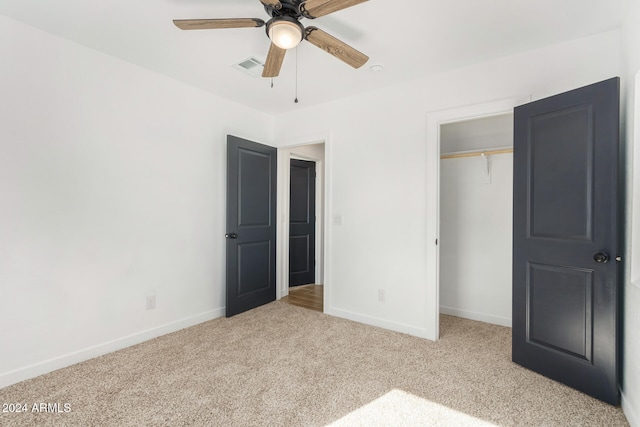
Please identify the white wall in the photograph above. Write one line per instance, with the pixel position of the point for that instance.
(112, 184)
(476, 237)
(379, 177)
(308, 152)
(631, 83)
(477, 134)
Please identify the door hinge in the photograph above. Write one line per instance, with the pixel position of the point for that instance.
(436, 242)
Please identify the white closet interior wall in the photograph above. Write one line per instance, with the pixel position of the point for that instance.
(476, 220)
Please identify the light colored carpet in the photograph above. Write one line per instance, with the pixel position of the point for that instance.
(281, 365)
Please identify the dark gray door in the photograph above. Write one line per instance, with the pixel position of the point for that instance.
(251, 225)
(302, 225)
(565, 238)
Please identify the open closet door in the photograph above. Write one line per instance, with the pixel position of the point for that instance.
(565, 238)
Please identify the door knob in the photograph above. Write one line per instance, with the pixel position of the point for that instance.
(601, 257)
(231, 236)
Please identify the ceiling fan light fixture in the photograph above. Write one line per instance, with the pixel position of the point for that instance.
(285, 33)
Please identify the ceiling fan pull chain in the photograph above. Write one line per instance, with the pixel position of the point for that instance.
(296, 100)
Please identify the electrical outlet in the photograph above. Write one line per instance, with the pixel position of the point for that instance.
(151, 302)
(381, 295)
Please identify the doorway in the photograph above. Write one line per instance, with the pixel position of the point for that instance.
(476, 202)
(435, 121)
(310, 152)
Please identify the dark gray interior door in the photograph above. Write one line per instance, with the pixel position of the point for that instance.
(251, 225)
(302, 223)
(565, 237)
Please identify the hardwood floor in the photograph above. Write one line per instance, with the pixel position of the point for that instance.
(307, 296)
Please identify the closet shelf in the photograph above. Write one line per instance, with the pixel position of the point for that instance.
(476, 153)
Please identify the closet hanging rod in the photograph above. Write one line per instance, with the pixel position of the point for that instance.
(476, 153)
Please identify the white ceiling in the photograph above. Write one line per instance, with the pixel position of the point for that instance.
(411, 38)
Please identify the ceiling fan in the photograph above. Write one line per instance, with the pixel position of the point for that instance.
(285, 30)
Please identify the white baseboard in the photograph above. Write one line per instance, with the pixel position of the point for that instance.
(46, 366)
(381, 323)
(472, 315)
(632, 413)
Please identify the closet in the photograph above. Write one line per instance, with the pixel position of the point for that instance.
(476, 174)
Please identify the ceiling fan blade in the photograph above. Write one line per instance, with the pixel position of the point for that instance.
(212, 24)
(335, 47)
(317, 8)
(272, 65)
(273, 3)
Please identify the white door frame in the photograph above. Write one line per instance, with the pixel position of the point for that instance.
(322, 213)
(434, 121)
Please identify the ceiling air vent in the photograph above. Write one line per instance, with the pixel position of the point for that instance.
(251, 65)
